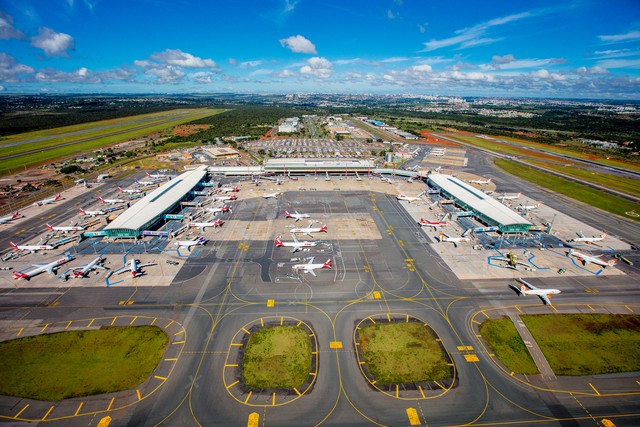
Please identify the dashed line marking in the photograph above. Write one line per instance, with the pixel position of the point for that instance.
(47, 414)
(138, 394)
(21, 411)
(19, 332)
(111, 403)
(79, 408)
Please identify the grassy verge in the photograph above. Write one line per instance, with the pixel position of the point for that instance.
(80, 363)
(504, 341)
(402, 352)
(587, 344)
(277, 357)
(588, 195)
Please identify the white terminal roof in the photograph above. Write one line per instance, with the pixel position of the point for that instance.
(477, 200)
(158, 201)
(321, 164)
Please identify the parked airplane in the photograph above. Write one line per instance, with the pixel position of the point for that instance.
(156, 175)
(271, 195)
(480, 181)
(297, 216)
(129, 191)
(225, 198)
(222, 209)
(84, 270)
(31, 248)
(111, 201)
(47, 201)
(529, 289)
(509, 197)
(455, 240)
(134, 267)
(203, 225)
(41, 268)
(527, 208)
(512, 261)
(190, 243)
(435, 224)
(409, 199)
(308, 230)
(145, 183)
(92, 213)
(11, 217)
(309, 266)
(595, 259)
(229, 189)
(65, 229)
(295, 245)
(590, 240)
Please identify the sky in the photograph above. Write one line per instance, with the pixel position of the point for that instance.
(534, 48)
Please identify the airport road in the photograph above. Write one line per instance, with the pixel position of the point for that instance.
(220, 291)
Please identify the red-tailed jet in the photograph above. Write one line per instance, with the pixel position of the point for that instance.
(111, 201)
(529, 289)
(310, 266)
(297, 216)
(92, 213)
(204, 225)
(11, 217)
(590, 240)
(308, 230)
(47, 201)
(64, 229)
(295, 245)
(435, 224)
(41, 268)
(84, 270)
(129, 190)
(592, 259)
(31, 248)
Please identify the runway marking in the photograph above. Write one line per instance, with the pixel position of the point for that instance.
(335, 344)
(486, 315)
(440, 385)
(179, 332)
(273, 400)
(21, 411)
(362, 362)
(247, 332)
(172, 359)
(47, 414)
(590, 308)
(248, 396)
(594, 389)
(414, 419)
(406, 320)
(261, 322)
(312, 374)
(178, 342)
(133, 320)
(45, 327)
(169, 324)
(138, 394)
(231, 365)
(296, 390)
(281, 320)
(476, 322)
(114, 320)
(153, 321)
(372, 321)
(69, 324)
(465, 347)
(471, 358)
(19, 332)
(237, 344)
(299, 323)
(376, 295)
(518, 308)
(160, 378)
(270, 303)
(388, 317)
(254, 419)
(232, 384)
(627, 307)
(91, 323)
(78, 410)
(111, 403)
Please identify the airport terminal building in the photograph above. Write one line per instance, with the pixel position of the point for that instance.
(484, 207)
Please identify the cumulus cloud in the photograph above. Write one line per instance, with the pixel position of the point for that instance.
(178, 58)
(52, 43)
(299, 44)
(7, 30)
(286, 74)
(317, 67)
(165, 74)
(10, 70)
(591, 70)
(203, 77)
(618, 38)
(290, 5)
(81, 75)
(390, 14)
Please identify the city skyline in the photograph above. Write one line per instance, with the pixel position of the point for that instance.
(576, 49)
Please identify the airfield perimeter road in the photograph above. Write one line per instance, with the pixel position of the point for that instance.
(219, 291)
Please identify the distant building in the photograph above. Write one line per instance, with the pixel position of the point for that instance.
(290, 125)
(222, 152)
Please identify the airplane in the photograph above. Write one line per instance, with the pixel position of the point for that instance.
(135, 268)
(41, 268)
(229, 189)
(129, 191)
(328, 178)
(409, 199)
(111, 201)
(309, 267)
(47, 201)
(271, 196)
(509, 197)
(92, 213)
(309, 230)
(480, 181)
(145, 183)
(590, 240)
(84, 270)
(31, 248)
(297, 216)
(11, 217)
(190, 243)
(526, 208)
(455, 240)
(295, 245)
(222, 209)
(155, 175)
(587, 259)
(203, 225)
(529, 289)
(435, 224)
(65, 229)
(225, 198)
(512, 261)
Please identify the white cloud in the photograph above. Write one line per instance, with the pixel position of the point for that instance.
(7, 30)
(620, 63)
(10, 70)
(299, 44)
(52, 43)
(81, 75)
(396, 59)
(286, 74)
(182, 59)
(204, 77)
(591, 70)
(617, 38)
(317, 67)
(166, 74)
(390, 14)
(509, 62)
(423, 27)
(251, 64)
(290, 5)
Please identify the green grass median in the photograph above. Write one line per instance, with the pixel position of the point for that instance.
(70, 364)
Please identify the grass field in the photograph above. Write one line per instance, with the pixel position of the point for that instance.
(504, 341)
(588, 195)
(277, 357)
(80, 363)
(587, 344)
(402, 352)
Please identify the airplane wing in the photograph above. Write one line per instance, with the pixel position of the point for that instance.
(545, 299)
(308, 233)
(146, 265)
(310, 270)
(455, 244)
(580, 235)
(126, 268)
(295, 249)
(528, 285)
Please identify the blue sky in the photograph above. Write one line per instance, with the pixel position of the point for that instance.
(567, 49)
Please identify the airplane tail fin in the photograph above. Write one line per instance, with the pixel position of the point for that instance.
(82, 211)
(120, 189)
(287, 214)
(16, 214)
(489, 180)
(18, 276)
(323, 228)
(523, 289)
(278, 242)
(49, 226)
(58, 196)
(327, 264)
(101, 199)
(147, 173)
(13, 245)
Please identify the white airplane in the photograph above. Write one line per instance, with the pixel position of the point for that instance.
(529, 289)
(145, 183)
(203, 225)
(41, 268)
(271, 195)
(92, 213)
(229, 189)
(480, 181)
(111, 201)
(409, 199)
(129, 191)
(455, 240)
(191, 243)
(65, 229)
(527, 208)
(155, 175)
(588, 259)
(134, 267)
(31, 248)
(222, 209)
(308, 230)
(590, 240)
(225, 198)
(509, 197)
(295, 245)
(83, 270)
(11, 217)
(297, 216)
(47, 201)
(435, 224)
(309, 267)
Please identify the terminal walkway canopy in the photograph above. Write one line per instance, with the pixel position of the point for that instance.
(485, 208)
